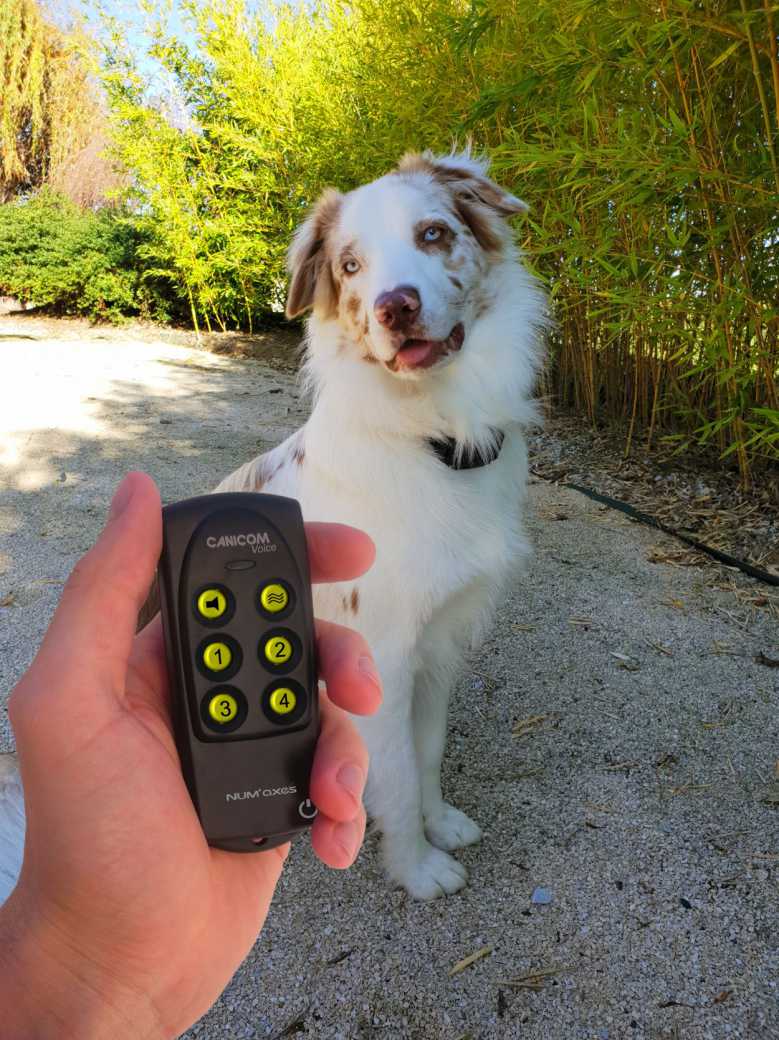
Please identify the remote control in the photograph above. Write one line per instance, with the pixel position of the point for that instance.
(235, 596)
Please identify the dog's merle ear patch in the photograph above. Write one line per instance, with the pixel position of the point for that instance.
(308, 261)
(478, 200)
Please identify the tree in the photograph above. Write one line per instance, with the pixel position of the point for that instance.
(48, 105)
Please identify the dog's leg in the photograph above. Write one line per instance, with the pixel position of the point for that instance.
(458, 624)
(446, 827)
(393, 796)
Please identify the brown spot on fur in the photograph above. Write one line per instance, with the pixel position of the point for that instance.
(455, 282)
(344, 603)
(352, 305)
(454, 263)
(309, 261)
(477, 199)
(355, 600)
(479, 223)
(481, 304)
(299, 454)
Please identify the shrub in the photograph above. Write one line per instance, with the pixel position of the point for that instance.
(78, 262)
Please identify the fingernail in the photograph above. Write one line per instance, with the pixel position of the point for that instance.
(347, 837)
(366, 666)
(121, 498)
(352, 779)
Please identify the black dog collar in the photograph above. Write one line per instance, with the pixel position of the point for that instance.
(446, 450)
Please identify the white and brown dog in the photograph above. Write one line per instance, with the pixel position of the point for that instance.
(423, 348)
(422, 351)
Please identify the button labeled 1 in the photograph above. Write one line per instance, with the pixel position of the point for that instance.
(217, 657)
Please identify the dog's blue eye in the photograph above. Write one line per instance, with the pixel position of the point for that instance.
(351, 267)
(432, 234)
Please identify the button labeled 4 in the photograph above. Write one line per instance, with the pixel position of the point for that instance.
(283, 700)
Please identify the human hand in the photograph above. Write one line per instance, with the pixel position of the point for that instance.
(124, 921)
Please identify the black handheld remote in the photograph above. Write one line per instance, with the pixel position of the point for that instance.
(235, 594)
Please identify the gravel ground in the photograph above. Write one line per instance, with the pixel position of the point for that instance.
(616, 739)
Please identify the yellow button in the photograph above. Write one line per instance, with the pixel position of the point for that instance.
(217, 657)
(283, 700)
(274, 598)
(223, 708)
(278, 650)
(211, 603)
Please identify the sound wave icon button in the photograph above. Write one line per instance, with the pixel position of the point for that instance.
(274, 598)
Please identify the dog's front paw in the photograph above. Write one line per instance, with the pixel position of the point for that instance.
(448, 828)
(434, 874)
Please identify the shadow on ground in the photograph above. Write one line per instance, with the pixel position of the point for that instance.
(615, 738)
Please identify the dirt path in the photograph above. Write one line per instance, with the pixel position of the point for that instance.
(639, 790)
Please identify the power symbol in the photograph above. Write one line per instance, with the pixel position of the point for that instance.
(307, 809)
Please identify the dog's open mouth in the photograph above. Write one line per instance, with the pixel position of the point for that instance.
(422, 353)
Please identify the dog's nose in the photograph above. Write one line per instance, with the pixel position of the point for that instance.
(398, 309)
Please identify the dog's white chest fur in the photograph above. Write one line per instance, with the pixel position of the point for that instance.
(425, 326)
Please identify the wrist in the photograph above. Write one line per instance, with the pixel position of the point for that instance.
(49, 991)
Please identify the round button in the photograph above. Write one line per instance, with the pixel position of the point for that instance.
(211, 603)
(217, 657)
(278, 650)
(223, 708)
(282, 700)
(274, 598)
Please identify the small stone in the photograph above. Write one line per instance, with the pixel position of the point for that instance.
(541, 896)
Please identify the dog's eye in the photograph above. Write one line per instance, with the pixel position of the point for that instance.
(351, 267)
(432, 233)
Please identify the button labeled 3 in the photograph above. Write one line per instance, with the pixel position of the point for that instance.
(223, 708)
(217, 657)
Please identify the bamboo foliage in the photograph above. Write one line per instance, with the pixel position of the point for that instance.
(645, 135)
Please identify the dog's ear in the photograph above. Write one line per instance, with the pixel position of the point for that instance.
(478, 200)
(311, 283)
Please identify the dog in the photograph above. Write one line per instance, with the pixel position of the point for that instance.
(422, 350)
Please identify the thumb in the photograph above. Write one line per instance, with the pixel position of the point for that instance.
(82, 663)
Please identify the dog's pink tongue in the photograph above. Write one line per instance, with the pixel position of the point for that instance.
(416, 354)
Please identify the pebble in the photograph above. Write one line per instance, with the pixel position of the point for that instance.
(541, 896)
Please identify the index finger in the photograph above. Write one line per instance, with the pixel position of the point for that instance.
(338, 552)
